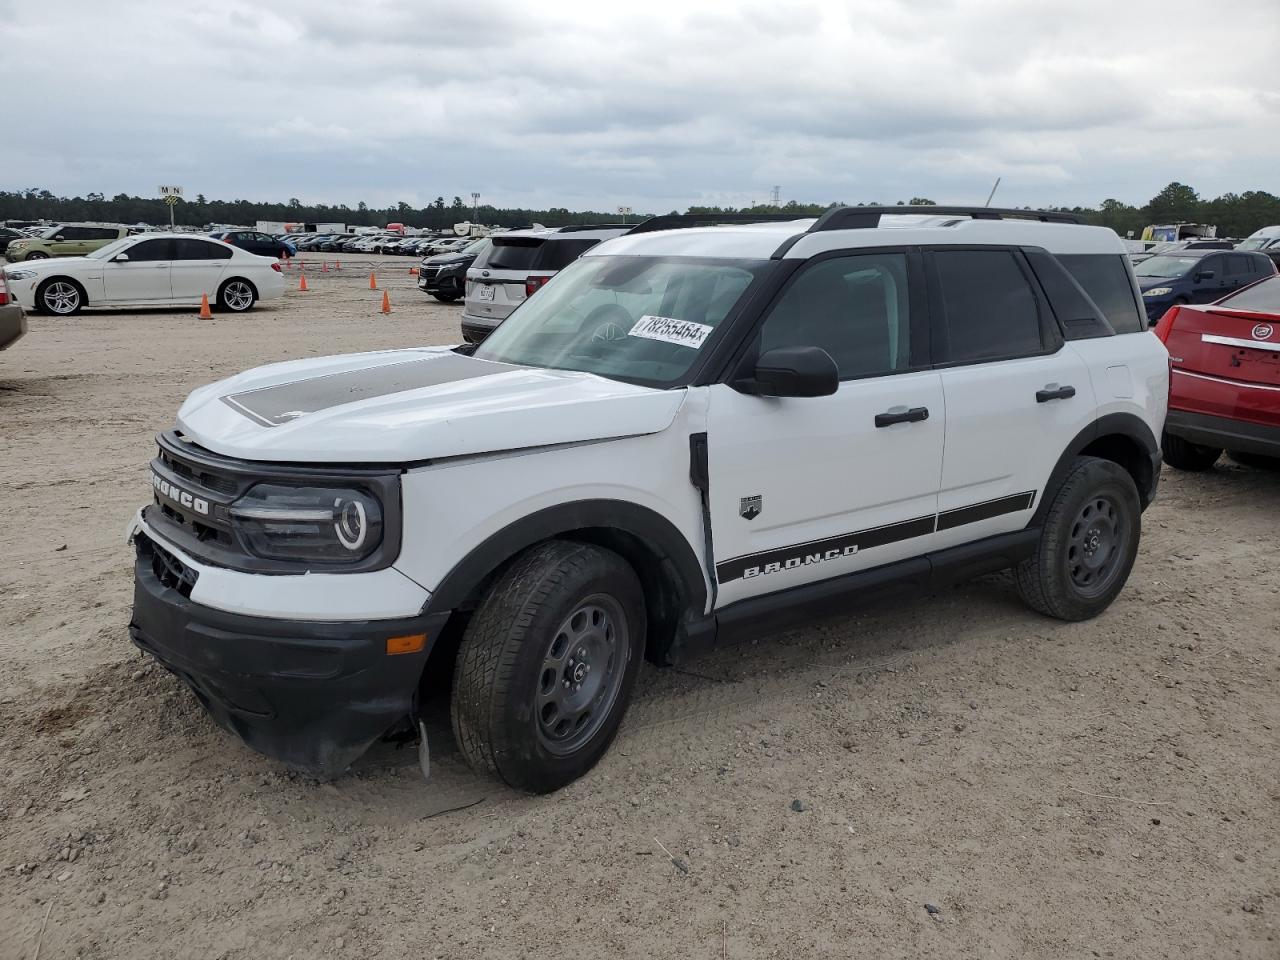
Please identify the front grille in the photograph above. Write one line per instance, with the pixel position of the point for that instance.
(428, 273)
(204, 478)
(169, 570)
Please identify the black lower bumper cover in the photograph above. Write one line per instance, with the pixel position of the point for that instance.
(314, 695)
(1223, 432)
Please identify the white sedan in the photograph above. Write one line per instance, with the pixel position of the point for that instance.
(148, 270)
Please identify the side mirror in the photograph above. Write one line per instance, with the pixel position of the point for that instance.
(1204, 275)
(120, 258)
(59, 239)
(793, 372)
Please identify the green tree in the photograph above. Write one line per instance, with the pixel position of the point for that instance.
(1176, 203)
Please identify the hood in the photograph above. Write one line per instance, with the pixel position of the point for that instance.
(1150, 283)
(400, 406)
(447, 259)
(48, 264)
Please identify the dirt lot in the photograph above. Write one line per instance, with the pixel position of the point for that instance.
(1102, 789)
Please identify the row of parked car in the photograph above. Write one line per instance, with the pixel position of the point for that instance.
(389, 244)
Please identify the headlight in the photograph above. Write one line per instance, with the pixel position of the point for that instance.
(336, 524)
(19, 274)
(19, 244)
(1157, 291)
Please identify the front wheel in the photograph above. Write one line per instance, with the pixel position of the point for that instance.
(37, 255)
(547, 665)
(60, 297)
(446, 297)
(1088, 543)
(237, 296)
(1186, 455)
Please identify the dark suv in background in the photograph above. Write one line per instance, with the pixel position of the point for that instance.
(263, 244)
(444, 276)
(1197, 276)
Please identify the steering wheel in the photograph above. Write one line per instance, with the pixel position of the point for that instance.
(608, 322)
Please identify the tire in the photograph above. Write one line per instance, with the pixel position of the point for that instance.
(60, 297)
(37, 255)
(446, 297)
(515, 707)
(1186, 455)
(237, 295)
(1088, 543)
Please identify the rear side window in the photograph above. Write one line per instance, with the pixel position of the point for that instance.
(989, 308)
(1105, 277)
(192, 249)
(74, 233)
(518, 253)
(558, 254)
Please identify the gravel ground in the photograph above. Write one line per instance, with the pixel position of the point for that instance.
(958, 778)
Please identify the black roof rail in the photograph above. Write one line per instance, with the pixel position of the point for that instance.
(573, 227)
(854, 218)
(674, 221)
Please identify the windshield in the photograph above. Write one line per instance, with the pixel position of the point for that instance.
(640, 319)
(1264, 297)
(1165, 266)
(111, 249)
(48, 233)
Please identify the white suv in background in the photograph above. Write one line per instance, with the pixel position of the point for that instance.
(691, 436)
(517, 265)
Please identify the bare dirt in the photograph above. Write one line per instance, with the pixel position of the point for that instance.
(974, 780)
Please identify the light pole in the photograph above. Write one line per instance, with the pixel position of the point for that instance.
(475, 207)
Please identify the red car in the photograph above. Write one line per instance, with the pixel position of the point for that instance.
(1224, 391)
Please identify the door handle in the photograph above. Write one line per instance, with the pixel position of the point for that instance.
(1054, 392)
(913, 415)
(162, 266)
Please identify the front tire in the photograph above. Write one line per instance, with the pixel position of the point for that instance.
(548, 664)
(446, 297)
(60, 297)
(1186, 455)
(237, 296)
(1088, 543)
(37, 255)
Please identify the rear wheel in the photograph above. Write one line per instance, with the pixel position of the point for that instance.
(60, 296)
(446, 297)
(547, 665)
(237, 295)
(1087, 545)
(1186, 455)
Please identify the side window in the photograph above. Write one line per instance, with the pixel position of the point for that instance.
(1238, 265)
(1105, 277)
(192, 249)
(73, 233)
(1215, 265)
(989, 308)
(856, 308)
(102, 233)
(150, 250)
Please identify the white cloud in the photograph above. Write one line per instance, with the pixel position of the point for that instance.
(653, 105)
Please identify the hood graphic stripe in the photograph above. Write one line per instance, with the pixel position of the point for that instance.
(284, 402)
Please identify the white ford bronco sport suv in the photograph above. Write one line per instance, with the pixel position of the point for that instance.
(688, 436)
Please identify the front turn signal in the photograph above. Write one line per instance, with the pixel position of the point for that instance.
(413, 643)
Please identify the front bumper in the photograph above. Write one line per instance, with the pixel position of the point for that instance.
(313, 694)
(1225, 433)
(1156, 308)
(448, 284)
(13, 324)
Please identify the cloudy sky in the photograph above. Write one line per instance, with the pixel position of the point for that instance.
(655, 105)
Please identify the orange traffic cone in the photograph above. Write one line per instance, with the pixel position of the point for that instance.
(413, 271)
(386, 302)
(205, 312)
(337, 265)
(324, 266)
(302, 282)
(373, 281)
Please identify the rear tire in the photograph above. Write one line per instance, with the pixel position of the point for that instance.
(1088, 543)
(237, 295)
(1186, 455)
(547, 665)
(446, 297)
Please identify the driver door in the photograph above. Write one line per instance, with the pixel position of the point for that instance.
(806, 489)
(143, 277)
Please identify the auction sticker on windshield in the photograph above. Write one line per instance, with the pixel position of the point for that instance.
(686, 333)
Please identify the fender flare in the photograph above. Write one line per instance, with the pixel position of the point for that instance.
(1123, 424)
(623, 516)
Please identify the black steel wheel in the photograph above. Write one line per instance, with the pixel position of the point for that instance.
(1088, 542)
(547, 665)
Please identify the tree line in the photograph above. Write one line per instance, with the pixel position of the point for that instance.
(1235, 214)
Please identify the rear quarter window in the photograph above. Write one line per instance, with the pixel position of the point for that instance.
(558, 254)
(1105, 277)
